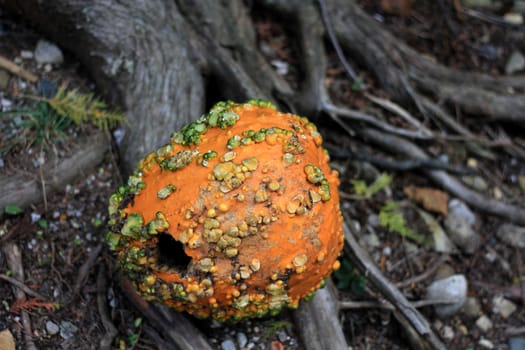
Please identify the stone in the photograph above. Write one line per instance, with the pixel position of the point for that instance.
(453, 289)
(26, 54)
(503, 306)
(370, 240)
(515, 63)
(484, 323)
(67, 330)
(512, 235)
(521, 182)
(242, 339)
(228, 344)
(471, 308)
(4, 79)
(476, 182)
(52, 328)
(458, 224)
(516, 343)
(514, 18)
(485, 343)
(48, 53)
(440, 241)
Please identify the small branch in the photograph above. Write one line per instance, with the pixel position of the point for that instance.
(416, 279)
(401, 146)
(363, 117)
(17, 70)
(86, 268)
(400, 111)
(333, 39)
(370, 304)
(418, 324)
(22, 286)
(399, 165)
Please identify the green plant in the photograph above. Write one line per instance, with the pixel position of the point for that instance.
(348, 278)
(12, 209)
(84, 108)
(363, 190)
(392, 218)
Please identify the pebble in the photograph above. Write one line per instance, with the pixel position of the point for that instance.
(516, 343)
(52, 328)
(471, 308)
(242, 339)
(514, 18)
(67, 330)
(459, 223)
(4, 79)
(441, 242)
(48, 53)
(228, 344)
(503, 306)
(485, 343)
(448, 333)
(521, 181)
(476, 182)
(512, 235)
(484, 323)
(370, 240)
(515, 63)
(453, 288)
(282, 336)
(26, 54)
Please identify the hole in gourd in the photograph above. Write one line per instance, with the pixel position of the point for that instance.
(171, 252)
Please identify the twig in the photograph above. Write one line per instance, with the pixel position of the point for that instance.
(400, 165)
(17, 70)
(371, 304)
(22, 286)
(14, 262)
(86, 267)
(513, 331)
(400, 111)
(406, 310)
(111, 330)
(333, 39)
(363, 117)
(398, 145)
(442, 259)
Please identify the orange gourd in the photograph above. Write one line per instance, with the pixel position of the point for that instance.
(237, 216)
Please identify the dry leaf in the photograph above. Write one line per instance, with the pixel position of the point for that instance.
(401, 8)
(7, 341)
(430, 198)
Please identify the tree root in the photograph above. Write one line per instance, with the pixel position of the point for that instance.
(24, 189)
(14, 262)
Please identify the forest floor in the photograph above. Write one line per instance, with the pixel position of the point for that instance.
(69, 270)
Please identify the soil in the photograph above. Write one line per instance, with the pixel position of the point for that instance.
(58, 237)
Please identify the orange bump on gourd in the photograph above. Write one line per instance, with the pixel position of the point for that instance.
(237, 216)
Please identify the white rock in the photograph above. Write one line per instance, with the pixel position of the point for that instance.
(485, 343)
(512, 235)
(448, 333)
(46, 52)
(52, 328)
(515, 63)
(458, 224)
(453, 289)
(441, 242)
(484, 323)
(228, 344)
(26, 54)
(502, 306)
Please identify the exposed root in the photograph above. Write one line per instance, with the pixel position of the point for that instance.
(111, 330)
(14, 262)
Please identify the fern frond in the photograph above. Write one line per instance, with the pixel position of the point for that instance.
(84, 108)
